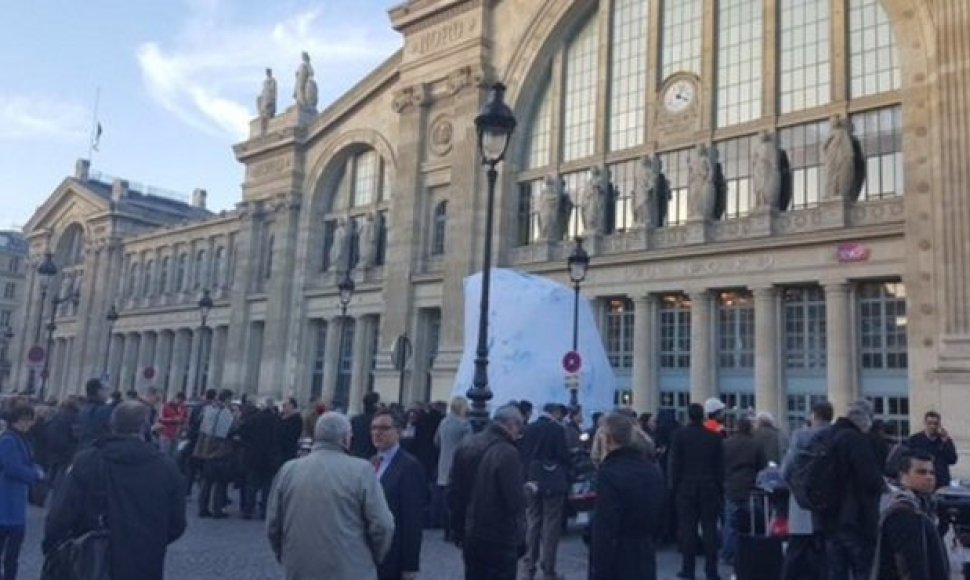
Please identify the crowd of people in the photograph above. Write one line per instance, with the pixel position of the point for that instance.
(350, 497)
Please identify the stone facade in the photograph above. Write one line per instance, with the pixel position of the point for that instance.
(13, 272)
(824, 296)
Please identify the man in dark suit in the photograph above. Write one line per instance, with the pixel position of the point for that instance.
(546, 461)
(696, 475)
(405, 489)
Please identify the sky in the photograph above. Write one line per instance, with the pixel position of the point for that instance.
(175, 83)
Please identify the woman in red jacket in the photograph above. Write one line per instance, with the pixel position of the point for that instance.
(174, 417)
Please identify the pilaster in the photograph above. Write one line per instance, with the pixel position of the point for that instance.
(331, 358)
(769, 390)
(646, 387)
(701, 364)
(838, 347)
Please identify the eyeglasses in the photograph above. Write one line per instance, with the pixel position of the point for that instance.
(381, 427)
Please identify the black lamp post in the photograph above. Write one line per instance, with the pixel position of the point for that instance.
(205, 305)
(7, 336)
(72, 296)
(577, 264)
(111, 317)
(346, 289)
(495, 125)
(46, 270)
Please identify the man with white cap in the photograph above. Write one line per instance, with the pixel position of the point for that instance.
(714, 414)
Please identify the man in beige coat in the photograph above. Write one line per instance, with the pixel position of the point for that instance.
(327, 516)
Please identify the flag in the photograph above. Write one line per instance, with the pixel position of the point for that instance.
(97, 138)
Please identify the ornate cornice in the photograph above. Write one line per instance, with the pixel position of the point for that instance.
(418, 95)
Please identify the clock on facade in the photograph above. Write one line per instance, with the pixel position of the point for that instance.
(679, 96)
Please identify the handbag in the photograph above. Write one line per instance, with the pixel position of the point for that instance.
(87, 556)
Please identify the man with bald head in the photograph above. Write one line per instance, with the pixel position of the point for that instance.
(132, 486)
(327, 516)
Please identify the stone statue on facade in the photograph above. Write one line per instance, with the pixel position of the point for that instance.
(366, 242)
(340, 247)
(844, 166)
(649, 192)
(766, 173)
(266, 103)
(702, 184)
(554, 209)
(305, 90)
(594, 200)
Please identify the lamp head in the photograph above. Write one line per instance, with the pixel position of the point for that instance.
(8, 333)
(578, 262)
(495, 125)
(346, 288)
(205, 303)
(112, 315)
(47, 269)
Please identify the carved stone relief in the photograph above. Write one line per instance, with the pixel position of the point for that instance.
(442, 135)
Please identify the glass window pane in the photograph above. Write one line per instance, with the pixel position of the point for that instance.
(579, 119)
(628, 73)
(739, 63)
(804, 54)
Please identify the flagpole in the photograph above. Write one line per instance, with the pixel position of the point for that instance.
(92, 147)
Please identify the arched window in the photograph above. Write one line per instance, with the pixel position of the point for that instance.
(268, 257)
(180, 270)
(218, 263)
(583, 117)
(438, 228)
(198, 276)
(146, 288)
(133, 278)
(163, 276)
(359, 188)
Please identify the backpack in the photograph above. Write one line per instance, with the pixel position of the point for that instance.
(814, 475)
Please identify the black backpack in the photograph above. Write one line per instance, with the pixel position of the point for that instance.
(814, 475)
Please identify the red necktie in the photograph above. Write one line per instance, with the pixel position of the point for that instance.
(377, 463)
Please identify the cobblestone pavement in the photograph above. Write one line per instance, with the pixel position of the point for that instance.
(237, 549)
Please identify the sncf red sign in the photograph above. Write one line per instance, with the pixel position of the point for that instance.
(853, 252)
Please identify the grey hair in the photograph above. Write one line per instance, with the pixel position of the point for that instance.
(331, 427)
(129, 418)
(860, 413)
(508, 414)
(765, 419)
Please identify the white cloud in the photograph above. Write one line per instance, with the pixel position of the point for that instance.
(210, 74)
(42, 117)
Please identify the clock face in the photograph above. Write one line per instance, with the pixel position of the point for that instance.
(679, 96)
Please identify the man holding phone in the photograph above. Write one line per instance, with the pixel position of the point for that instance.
(935, 441)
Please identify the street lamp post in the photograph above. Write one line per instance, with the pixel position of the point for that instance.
(577, 264)
(46, 270)
(205, 305)
(495, 125)
(73, 296)
(4, 362)
(111, 317)
(346, 288)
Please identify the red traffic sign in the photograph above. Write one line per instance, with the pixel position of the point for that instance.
(148, 373)
(572, 362)
(36, 354)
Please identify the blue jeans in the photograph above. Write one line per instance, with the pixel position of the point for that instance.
(848, 556)
(735, 513)
(11, 538)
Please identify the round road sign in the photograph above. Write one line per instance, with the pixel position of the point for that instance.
(36, 354)
(148, 373)
(572, 362)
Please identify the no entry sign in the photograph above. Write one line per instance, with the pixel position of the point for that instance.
(572, 362)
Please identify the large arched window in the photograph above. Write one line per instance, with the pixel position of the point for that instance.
(218, 263)
(181, 267)
(822, 61)
(198, 275)
(146, 287)
(163, 275)
(358, 189)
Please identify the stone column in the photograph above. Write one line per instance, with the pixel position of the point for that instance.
(838, 347)
(361, 365)
(146, 358)
(331, 358)
(195, 376)
(129, 364)
(117, 356)
(768, 391)
(246, 258)
(163, 363)
(180, 352)
(646, 389)
(217, 356)
(701, 364)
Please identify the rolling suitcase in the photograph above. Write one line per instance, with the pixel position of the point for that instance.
(760, 555)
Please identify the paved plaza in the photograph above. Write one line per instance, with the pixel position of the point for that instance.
(237, 549)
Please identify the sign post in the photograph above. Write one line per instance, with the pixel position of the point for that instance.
(572, 363)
